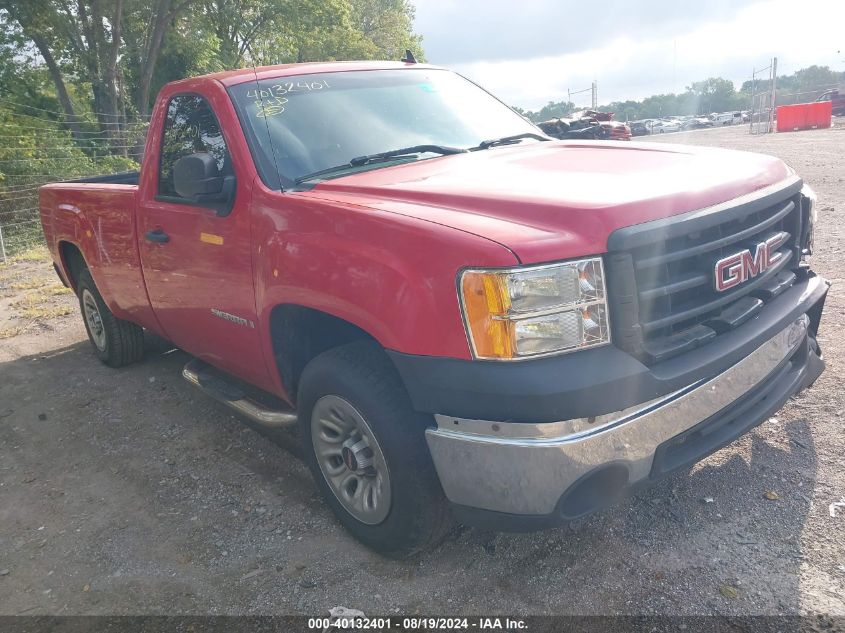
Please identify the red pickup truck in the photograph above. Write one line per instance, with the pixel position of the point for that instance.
(466, 319)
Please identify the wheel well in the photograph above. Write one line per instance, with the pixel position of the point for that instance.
(300, 334)
(74, 263)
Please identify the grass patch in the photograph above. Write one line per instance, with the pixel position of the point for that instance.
(44, 312)
(7, 273)
(30, 284)
(40, 303)
(48, 286)
(34, 254)
(32, 295)
(11, 331)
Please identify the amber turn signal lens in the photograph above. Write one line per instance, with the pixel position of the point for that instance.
(486, 304)
(535, 310)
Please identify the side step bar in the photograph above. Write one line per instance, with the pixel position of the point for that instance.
(212, 382)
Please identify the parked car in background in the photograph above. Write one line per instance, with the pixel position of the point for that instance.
(665, 125)
(611, 130)
(639, 128)
(564, 129)
(697, 123)
(587, 124)
(837, 99)
(616, 130)
(726, 118)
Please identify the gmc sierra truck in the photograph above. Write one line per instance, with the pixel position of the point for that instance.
(466, 319)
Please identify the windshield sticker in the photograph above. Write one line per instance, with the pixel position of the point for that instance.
(287, 87)
(270, 107)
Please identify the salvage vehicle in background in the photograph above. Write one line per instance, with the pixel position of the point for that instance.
(697, 123)
(639, 128)
(565, 129)
(837, 100)
(463, 317)
(587, 124)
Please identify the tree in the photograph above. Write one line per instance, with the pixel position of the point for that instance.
(388, 24)
(269, 31)
(328, 30)
(89, 34)
(147, 44)
(23, 22)
(714, 95)
(104, 57)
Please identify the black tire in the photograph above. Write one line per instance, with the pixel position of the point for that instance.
(361, 374)
(121, 342)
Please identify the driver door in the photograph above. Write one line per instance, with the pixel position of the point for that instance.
(196, 262)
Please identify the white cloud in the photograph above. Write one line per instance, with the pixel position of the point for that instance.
(633, 67)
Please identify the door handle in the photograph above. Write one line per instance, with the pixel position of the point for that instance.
(157, 235)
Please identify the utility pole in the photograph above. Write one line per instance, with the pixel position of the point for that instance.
(592, 88)
(674, 65)
(774, 93)
(595, 95)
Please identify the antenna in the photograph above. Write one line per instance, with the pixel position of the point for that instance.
(409, 57)
(266, 123)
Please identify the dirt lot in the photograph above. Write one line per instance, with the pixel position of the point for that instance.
(127, 492)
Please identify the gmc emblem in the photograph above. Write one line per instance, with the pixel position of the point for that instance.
(742, 266)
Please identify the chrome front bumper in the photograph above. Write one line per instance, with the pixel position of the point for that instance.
(525, 469)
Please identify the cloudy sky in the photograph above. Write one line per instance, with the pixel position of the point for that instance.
(528, 52)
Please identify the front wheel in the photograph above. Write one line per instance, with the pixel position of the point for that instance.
(366, 449)
(116, 342)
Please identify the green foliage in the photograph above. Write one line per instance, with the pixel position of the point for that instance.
(551, 110)
(78, 77)
(104, 60)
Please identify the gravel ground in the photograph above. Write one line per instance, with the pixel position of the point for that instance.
(128, 492)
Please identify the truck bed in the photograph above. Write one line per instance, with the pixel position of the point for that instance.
(97, 216)
(120, 178)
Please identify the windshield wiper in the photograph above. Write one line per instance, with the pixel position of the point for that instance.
(414, 149)
(360, 161)
(507, 140)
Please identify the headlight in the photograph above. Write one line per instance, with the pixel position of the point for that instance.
(535, 310)
(809, 215)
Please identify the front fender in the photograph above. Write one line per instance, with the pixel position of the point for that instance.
(391, 275)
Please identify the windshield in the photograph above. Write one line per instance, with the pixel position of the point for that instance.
(303, 124)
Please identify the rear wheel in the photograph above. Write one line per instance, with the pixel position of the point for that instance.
(116, 342)
(366, 449)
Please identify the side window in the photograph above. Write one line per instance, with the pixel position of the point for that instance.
(190, 128)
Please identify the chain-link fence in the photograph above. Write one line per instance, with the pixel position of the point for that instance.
(763, 91)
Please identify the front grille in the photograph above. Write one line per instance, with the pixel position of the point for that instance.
(662, 274)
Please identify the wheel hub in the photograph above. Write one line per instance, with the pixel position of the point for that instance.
(93, 320)
(357, 456)
(350, 459)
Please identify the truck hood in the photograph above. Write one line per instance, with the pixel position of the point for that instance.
(556, 200)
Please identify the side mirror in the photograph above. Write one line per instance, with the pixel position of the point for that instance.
(197, 178)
